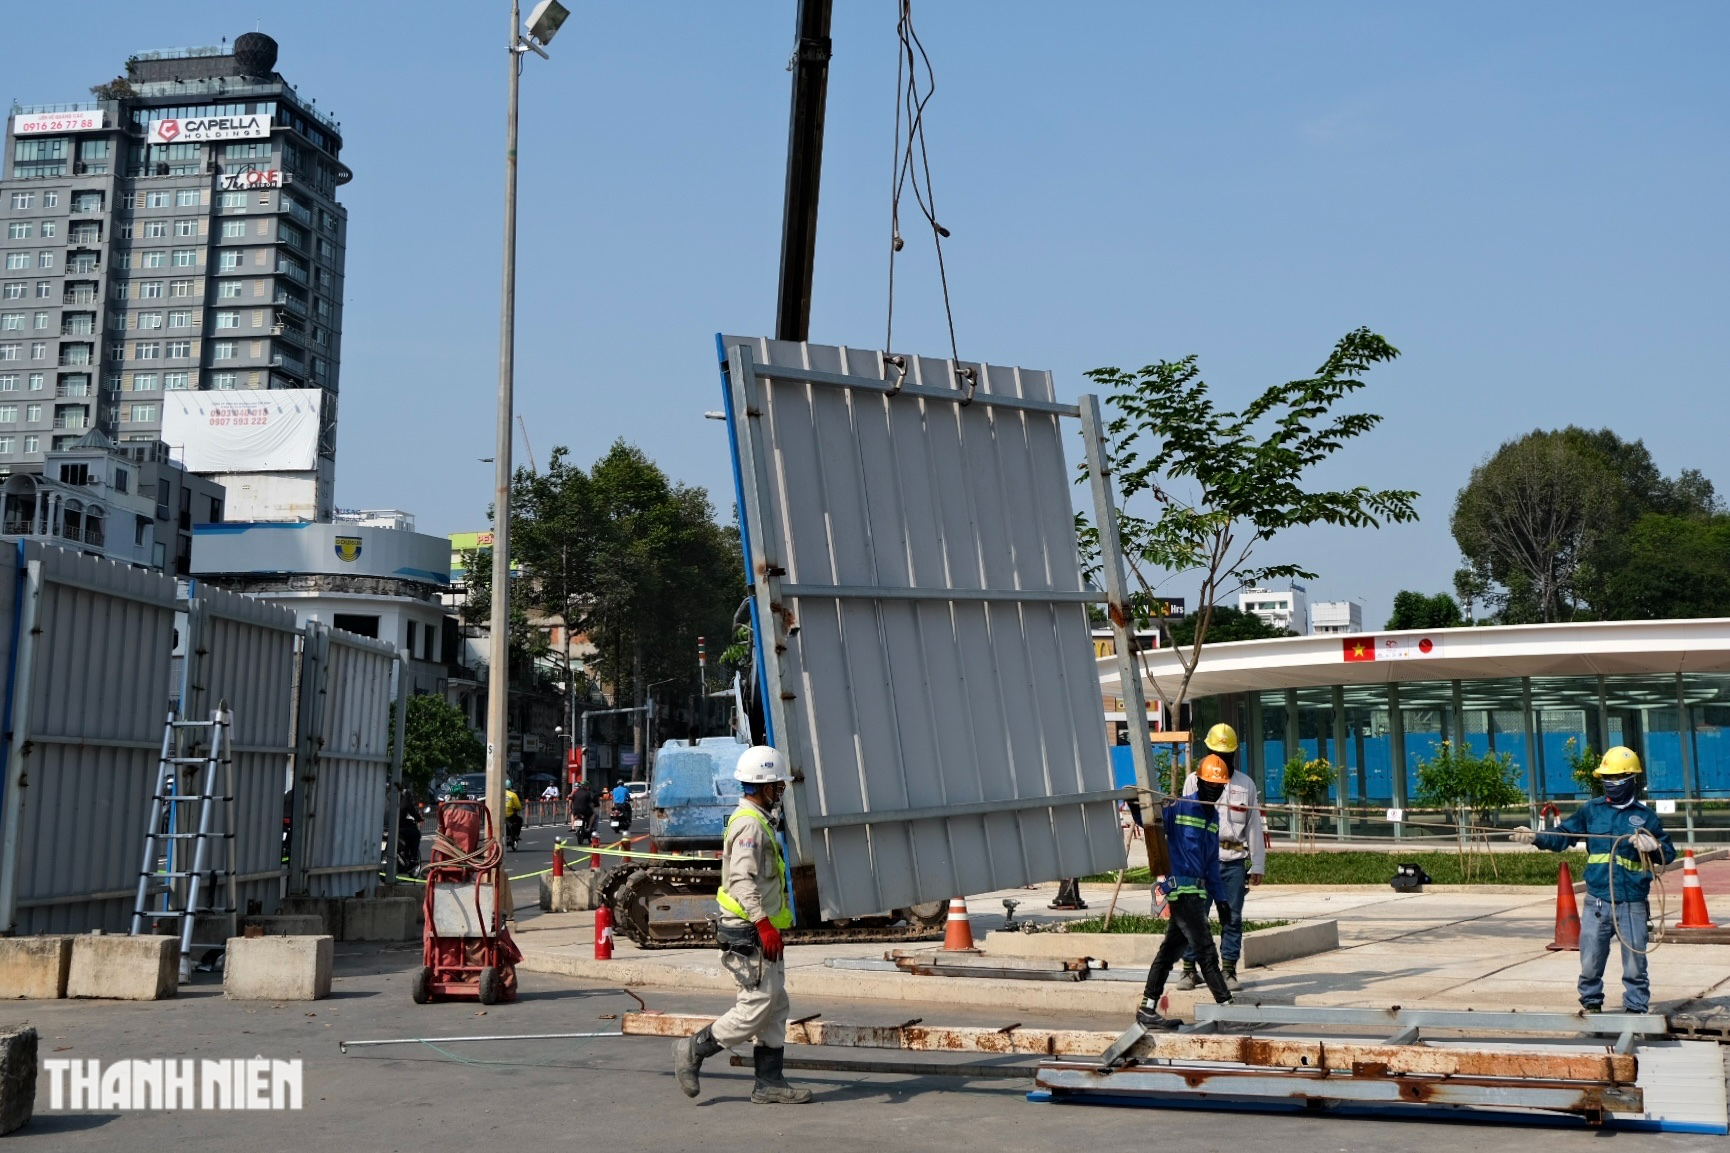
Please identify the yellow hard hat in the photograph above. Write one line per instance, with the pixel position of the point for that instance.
(1618, 762)
(1213, 770)
(1222, 738)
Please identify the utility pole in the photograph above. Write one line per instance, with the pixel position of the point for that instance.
(499, 638)
(810, 68)
(544, 22)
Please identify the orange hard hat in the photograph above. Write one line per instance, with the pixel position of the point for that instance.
(1213, 770)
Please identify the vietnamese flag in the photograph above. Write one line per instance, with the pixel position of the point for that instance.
(1359, 648)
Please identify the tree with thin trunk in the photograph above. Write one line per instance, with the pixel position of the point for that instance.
(1201, 488)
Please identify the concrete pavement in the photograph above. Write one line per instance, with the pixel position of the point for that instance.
(1441, 949)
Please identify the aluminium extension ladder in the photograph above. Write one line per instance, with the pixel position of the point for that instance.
(183, 808)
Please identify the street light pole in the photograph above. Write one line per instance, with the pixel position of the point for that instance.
(498, 642)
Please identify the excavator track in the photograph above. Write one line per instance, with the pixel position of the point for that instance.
(663, 907)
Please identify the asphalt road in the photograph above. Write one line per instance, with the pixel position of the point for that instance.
(618, 1093)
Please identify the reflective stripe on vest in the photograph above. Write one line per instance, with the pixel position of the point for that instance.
(781, 920)
(1605, 858)
(1196, 822)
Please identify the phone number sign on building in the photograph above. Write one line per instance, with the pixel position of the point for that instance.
(38, 124)
(192, 130)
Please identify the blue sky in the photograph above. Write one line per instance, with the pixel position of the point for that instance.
(1528, 200)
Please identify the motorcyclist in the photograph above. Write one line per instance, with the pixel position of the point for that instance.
(621, 815)
(408, 820)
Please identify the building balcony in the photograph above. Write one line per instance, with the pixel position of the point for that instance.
(72, 423)
(80, 296)
(290, 303)
(71, 390)
(20, 528)
(288, 363)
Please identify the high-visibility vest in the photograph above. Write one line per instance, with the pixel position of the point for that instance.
(781, 920)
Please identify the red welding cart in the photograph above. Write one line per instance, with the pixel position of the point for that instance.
(467, 952)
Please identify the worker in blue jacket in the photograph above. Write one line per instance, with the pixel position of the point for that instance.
(1624, 842)
(1192, 838)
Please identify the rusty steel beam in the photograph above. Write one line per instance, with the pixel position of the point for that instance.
(1261, 1052)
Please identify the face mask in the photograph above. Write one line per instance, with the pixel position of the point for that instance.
(1209, 792)
(1621, 791)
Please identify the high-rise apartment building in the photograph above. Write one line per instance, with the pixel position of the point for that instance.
(179, 232)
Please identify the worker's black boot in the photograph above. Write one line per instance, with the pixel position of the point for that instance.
(688, 1054)
(771, 1087)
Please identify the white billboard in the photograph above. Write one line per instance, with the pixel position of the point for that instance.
(244, 431)
(194, 129)
(46, 123)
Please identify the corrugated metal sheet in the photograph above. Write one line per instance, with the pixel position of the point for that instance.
(241, 651)
(90, 685)
(345, 763)
(928, 667)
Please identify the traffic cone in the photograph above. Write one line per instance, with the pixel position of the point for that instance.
(1694, 914)
(603, 934)
(558, 858)
(958, 932)
(1567, 915)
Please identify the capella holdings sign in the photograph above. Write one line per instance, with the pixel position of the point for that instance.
(195, 129)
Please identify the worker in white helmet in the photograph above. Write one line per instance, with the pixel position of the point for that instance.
(753, 900)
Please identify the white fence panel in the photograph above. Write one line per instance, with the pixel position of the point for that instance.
(89, 689)
(342, 781)
(921, 612)
(241, 651)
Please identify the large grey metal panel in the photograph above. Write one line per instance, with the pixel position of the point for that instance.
(941, 744)
(345, 762)
(241, 651)
(89, 686)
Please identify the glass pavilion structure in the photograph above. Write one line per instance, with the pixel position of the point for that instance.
(1376, 706)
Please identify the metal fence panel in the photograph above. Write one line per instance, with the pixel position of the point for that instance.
(241, 651)
(90, 689)
(920, 609)
(345, 771)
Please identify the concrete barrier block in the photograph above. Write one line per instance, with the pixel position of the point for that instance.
(286, 925)
(124, 968)
(278, 968)
(17, 1078)
(381, 919)
(1289, 942)
(34, 967)
(571, 893)
(327, 909)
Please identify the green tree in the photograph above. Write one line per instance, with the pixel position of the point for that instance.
(629, 557)
(1471, 789)
(436, 741)
(1414, 610)
(1222, 483)
(1548, 522)
(1228, 625)
(1670, 567)
(1527, 518)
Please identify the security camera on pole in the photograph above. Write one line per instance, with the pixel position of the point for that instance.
(543, 23)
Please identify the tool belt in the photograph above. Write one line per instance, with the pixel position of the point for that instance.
(740, 939)
(1233, 846)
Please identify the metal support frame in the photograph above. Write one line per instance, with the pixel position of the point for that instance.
(1684, 735)
(1583, 1024)
(1293, 748)
(1534, 783)
(1342, 766)
(314, 660)
(1118, 610)
(28, 598)
(393, 790)
(1397, 739)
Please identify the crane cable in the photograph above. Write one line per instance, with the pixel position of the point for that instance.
(910, 99)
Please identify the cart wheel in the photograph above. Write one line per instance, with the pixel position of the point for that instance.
(421, 989)
(489, 986)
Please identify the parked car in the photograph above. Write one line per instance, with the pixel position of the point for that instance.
(639, 791)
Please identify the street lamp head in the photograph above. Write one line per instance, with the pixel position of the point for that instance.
(544, 22)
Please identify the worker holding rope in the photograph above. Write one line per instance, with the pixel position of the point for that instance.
(1624, 842)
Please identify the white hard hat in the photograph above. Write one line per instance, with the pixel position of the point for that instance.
(761, 765)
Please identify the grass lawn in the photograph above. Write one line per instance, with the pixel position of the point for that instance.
(1135, 923)
(1377, 868)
